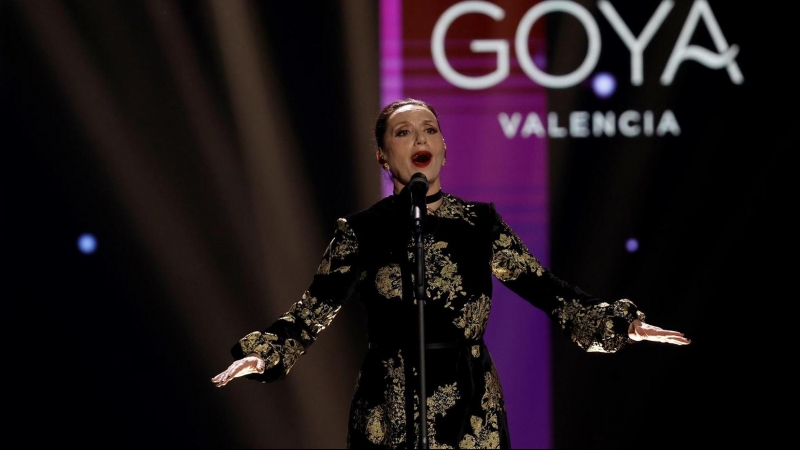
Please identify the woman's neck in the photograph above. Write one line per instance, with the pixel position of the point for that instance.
(433, 187)
(433, 199)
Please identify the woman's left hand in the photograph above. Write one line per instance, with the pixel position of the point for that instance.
(640, 331)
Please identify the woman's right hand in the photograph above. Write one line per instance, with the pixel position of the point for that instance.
(249, 364)
(640, 331)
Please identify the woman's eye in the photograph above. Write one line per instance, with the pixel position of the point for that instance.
(401, 133)
(432, 130)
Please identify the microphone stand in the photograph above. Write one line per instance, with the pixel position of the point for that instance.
(418, 213)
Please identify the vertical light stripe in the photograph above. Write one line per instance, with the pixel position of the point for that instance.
(358, 27)
(391, 19)
(290, 232)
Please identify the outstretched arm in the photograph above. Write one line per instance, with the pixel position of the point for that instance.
(593, 324)
(270, 354)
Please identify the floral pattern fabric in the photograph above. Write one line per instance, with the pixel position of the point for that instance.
(466, 244)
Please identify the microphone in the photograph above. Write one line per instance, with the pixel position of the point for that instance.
(418, 186)
(418, 189)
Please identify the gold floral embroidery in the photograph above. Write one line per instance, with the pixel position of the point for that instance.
(583, 321)
(388, 281)
(442, 400)
(442, 273)
(476, 351)
(325, 265)
(492, 399)
(485, 435)
(376, 425)
(316, 315)
(474, 316)
(511, 257)
(266, 345)
(623, 307)
(292, 350)
(592, 326)
(261, 343)
(343, 244)
(384, 424)
(454, 209)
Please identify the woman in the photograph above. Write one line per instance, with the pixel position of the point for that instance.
(466, 243)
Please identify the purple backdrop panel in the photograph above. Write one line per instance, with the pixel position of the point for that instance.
(483, 164)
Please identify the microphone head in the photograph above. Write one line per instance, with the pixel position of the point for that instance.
(418, 183)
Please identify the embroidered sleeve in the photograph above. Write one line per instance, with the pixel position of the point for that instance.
(285, 340)
(594, 325)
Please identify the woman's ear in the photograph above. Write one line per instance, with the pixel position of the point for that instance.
(381, 160)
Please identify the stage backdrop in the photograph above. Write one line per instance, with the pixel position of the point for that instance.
(173, 170)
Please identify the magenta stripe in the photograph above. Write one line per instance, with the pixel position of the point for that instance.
(391, 60)
(391, 50)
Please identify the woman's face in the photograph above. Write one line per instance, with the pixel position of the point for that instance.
(413, 143)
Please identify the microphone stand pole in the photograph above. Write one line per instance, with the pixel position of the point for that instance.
(418, 212)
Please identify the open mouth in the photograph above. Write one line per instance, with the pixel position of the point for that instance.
(421, 159)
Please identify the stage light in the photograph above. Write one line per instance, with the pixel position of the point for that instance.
(87, 243)
(632, 245)
(604, 84)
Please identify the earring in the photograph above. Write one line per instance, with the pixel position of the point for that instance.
(444, 161)
(386, 166)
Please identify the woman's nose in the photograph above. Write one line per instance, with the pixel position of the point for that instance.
(421, 138)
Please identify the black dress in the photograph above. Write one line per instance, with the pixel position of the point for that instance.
(371, 257)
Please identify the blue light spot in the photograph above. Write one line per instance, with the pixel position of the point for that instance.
(604, 84)
(632, 245)
(87, 243)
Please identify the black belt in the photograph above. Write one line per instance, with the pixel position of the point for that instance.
(428, 346)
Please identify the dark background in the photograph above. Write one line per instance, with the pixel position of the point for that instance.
(210, 146)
